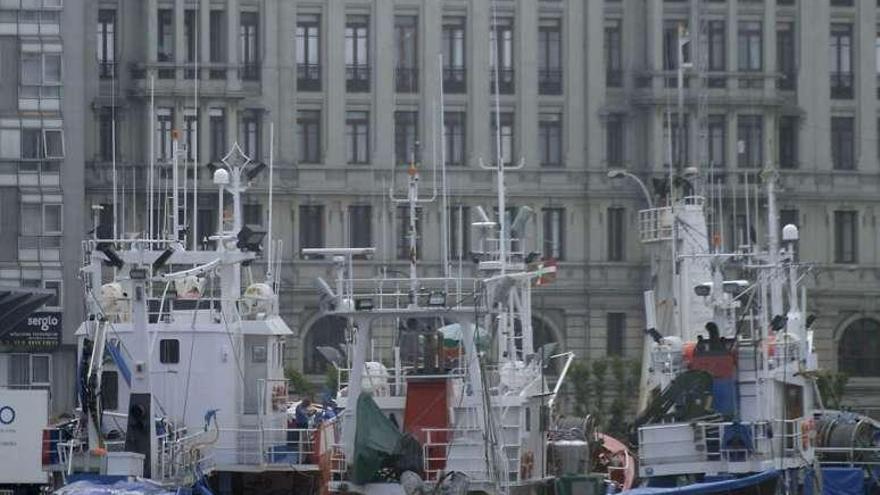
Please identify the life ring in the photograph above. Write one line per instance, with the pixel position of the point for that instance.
(526, 465)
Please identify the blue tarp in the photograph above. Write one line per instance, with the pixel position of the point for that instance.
(709, 488)
(119, 487)
(837, 481)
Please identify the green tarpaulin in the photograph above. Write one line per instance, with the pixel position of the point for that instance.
(376, 440)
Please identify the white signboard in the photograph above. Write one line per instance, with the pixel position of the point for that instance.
(23, 415)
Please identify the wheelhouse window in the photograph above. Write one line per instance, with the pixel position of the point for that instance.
(169, 351)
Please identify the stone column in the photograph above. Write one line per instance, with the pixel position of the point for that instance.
(382, 116)
(179, 41)
(334, 71)
(865, 88)
(526, 72)
(204, 36)
(480, 110)
(814, 86)
(574, 121)
(232, 26)
(595, 87)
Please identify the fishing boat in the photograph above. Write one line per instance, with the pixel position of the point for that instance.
(180, 370)
(466, 403)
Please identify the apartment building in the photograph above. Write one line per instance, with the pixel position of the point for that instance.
(350, 86)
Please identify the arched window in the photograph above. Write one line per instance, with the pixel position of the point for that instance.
(328, 331)
(859, 348)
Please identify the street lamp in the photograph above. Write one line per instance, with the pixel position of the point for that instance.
(618, 173)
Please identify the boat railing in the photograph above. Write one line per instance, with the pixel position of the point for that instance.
(848, 456)
(655, 224)
(391, 382)
(266, 446)
(182, 457)
(727, 442)
(438, 445)
(395, 293)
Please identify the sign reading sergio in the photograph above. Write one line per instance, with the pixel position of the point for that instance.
(40, 331)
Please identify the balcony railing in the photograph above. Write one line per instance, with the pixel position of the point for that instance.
(787, 81)
(550, 81)
(454, 80)
(357, 78)
(406, 79)
(613, 78)
(308, 77)
(249, 71)
(505, 80)
(106, 69)
(841, 85)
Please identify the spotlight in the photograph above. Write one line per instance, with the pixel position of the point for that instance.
(437, 298)
(254, 171)
(250, 238)
(113, 259)
(363, 304)
(162, 259)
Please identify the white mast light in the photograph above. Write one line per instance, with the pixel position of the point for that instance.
(790, 233)
(221, 177)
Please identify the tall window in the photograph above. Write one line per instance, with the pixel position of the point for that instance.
(217, 42)
(106, 43)
(454, 74)
(190, 132)
(252, 214)
(550, 139)
(249, 39)
(615, 333)
(357, 136)
(750, 140)
(105, 134)
(550, 56)
(164, 125)
(614, 140)
(616, 234)
(505, 119)
(859, 347)
(190, 33)
(840, 60)
(786, 58)
(788, 141)
(717, 130)
(406, 134)
(311, 228)
(406, 43)
(717, 51)
(679, 137)
(501, 39)
(308, 52)
(613, 54)
(749, 46)
(165, 39)
(454, 122)
(404, 234)
(459, 231)
(357, 54)
(845, 237)
(554, 233)
(843, 143)
(308, 134)
(217, 124)
(249, 134)
(360, 226)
